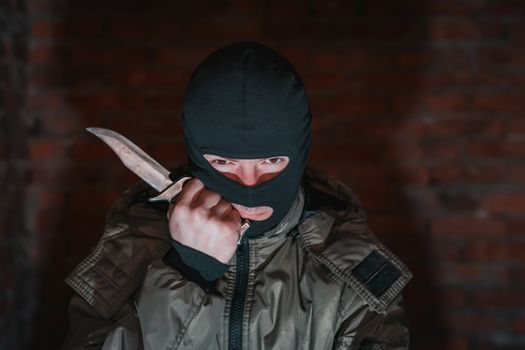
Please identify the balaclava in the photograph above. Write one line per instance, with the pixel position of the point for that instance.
(246, 101)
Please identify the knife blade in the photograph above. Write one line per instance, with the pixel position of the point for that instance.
(145, 167)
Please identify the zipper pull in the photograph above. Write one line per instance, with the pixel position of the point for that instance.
(245, 225)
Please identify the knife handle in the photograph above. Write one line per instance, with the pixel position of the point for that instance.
(171, 191)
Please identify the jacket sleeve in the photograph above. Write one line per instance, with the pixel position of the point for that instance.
(89, 331)
(369, 330)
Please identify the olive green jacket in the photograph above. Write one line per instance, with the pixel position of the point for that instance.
(319, 280)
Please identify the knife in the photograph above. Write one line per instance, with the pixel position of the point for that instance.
(147, 168)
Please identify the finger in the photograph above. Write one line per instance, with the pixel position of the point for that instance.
(222, 209)
(235, 216)
(190, 190)
(207, 199)
(170, 210)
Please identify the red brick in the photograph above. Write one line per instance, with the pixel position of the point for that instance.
(436, 58)
(485, 149)
(344, 60)
(514, 148)
(407, 106)
(511, 203)
(454, 173)
(318, 82)
(49, 199)
(506, 8)
(348, 105)
(47, 54)
(41, 150)
(456, 126)
(348, 152)
(46, 77)
(444, 151)
(247, 7)
(299, 55)
(67, 175)
(516, 227)
(397, 224)
(145, 129)
(498, 298)
(464, 78)
(503, 57)
(454, 297)
(457, 201)
(409, 151)
(445, 103)
(221, 29)
(83, 199)
(456, 30)
(63, 124)
(447, 7)
(46, 101)
(108, 101)
(519, 325)
(94, 150)
(169, 154)
(145, 78)
(377, 201)
(517, 33)
(48, 221)
(472, 324)
(338, 129)
(187, 57)
(398, 82)
(518, 277)
(517, 251)
(446, 250)
(498, 104)
(165, 102)
(472, 274)
(411, 175)
(515, 126)
(483, 250)
(466, 227)
(63, 28)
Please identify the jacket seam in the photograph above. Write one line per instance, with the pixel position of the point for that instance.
(376, 304)
(187, 321)
(106, 307)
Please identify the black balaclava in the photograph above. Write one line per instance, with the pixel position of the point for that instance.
(246, 101)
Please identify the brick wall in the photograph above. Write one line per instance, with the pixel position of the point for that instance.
(17, 240)
(418, 105)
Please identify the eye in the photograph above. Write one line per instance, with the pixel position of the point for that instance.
(275, 160)
(220, 161)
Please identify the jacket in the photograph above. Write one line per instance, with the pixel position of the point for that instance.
(319, 280)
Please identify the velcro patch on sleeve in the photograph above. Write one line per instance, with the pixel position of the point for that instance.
(376, 272)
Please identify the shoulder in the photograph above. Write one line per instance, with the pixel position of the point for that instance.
(337, 236)
(135, 234)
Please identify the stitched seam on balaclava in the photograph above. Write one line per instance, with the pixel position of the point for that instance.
(243, 93)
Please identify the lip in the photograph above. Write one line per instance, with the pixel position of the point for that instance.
(256, 213)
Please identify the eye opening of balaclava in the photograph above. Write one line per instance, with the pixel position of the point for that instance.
(246, 101)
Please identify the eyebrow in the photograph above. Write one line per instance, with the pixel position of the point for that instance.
(234, 160)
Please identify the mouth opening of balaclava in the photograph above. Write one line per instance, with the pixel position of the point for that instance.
(246, 101)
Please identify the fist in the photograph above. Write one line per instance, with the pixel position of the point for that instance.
(203, 220)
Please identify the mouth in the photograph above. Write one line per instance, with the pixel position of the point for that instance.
(253, 213)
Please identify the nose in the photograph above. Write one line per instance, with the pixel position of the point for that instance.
(249, 176)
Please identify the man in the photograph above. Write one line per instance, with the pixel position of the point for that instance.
(307, 274)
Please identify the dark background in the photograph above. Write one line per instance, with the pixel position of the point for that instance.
(417, 105)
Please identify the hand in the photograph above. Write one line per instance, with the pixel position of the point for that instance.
(203, 220)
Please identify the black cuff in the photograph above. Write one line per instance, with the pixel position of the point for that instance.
(195, 265)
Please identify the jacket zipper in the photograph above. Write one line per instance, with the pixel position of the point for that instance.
(239, 295)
